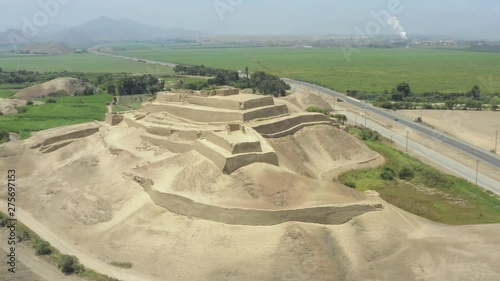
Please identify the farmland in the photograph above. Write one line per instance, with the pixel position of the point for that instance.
(65, 111)
(77, 63)
(369, 70)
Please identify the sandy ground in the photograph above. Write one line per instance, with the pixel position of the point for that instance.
(84, 205)
(476, 127)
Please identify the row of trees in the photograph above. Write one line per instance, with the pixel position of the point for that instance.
(136, 85)
(260, 81)
(402, 97)
(222, 75)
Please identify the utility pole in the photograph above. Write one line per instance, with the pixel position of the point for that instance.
(407, 135)
(496, 142)
(477, 171)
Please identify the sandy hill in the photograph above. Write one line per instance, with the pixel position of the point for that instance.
(305, 100)
(70, 85)
(47, 49)
(149, 190)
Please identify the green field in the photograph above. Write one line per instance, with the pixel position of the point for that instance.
(371, 70)
(8, 93)
(67, 111)
(78, 63)
(429, 193)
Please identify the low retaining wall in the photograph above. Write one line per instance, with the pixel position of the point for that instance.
(197, 114)
(228, 163)
(265, 112)
(240, 102)
(175, 147)
(276, 126)
(329, 215)
(76, 134)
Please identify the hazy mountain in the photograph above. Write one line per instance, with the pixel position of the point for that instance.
(106, 29)
(15, 35)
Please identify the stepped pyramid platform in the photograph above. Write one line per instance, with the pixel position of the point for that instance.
(225, 126)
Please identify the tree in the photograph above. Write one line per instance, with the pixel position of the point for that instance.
(475, 92)
(450, 104)
(388, 174)
(404, 89)
(406, 174)
(111, 89)
(43, 248)
(246, 71)
(69, 264)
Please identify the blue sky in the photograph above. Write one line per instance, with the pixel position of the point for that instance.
(479, 18)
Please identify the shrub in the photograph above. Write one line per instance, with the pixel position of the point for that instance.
(3, 221)
(385, 104)
(388, 174)
(29, 103)
(51, 101)
(21, 109)
(427, 106)
(60, 93)
(4, 136)
(23, 235)
(317, 110)
(43, 248)
(69, 264)
(342, 119)
(406, 174)
(350, 184)
(367, 134)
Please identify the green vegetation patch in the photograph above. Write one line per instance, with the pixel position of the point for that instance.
(6, 94)
(413, 186)
(63, 112)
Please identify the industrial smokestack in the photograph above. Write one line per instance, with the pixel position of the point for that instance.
(396, 25)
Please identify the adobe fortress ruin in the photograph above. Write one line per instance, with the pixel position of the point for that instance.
(231, 130)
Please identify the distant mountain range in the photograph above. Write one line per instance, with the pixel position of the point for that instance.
(104, 29)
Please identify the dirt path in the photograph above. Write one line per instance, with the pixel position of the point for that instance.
(31, 267)
(59, 243)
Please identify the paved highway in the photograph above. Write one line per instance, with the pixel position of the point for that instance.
(482, 155)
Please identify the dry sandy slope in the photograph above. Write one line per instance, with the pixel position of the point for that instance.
(87, 206)
(70, 85)
(305, 100)
(323, 152)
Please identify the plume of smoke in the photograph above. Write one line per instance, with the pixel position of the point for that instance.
(396, 25)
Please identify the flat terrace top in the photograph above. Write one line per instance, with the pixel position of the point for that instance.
(238, 137)
(241, 97)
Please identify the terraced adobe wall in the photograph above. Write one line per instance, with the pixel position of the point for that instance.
(327, 215)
